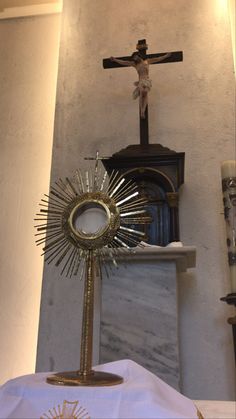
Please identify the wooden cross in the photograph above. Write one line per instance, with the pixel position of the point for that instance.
(141, 49)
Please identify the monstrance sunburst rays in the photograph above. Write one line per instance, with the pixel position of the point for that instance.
(113, 198)
(83, 222)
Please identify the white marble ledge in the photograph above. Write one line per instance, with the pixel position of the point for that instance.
(184, 256)
(215, 409)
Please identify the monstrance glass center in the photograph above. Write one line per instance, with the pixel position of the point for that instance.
(90, 219)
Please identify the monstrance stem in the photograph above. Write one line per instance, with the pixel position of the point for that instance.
(86, 350)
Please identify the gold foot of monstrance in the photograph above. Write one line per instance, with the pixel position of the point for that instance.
(85, 222)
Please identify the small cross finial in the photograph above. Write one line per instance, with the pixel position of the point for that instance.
(96, 158)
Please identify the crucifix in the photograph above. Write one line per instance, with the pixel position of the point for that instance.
(140, 60)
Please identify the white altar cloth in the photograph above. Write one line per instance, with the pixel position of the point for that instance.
(142, 395)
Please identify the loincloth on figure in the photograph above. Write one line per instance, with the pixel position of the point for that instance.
(141, 84)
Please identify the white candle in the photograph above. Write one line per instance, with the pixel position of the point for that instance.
(228, 169)
(228, 172)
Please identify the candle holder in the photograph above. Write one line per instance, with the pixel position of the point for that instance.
(231, 300)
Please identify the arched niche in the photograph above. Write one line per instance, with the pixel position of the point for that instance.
(158, 172)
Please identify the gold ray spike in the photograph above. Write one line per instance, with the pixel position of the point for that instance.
(63, 189)
(49, 215)
(130, 238)
(114, 262)
(67, 189)
(114, 178)
(49, 227)
(53, 192)
(74, 263)
(52, 205)
(126, 214)
(57, 250)
(48, 222)
(126, 199)
(41, 241)
(142, 201)
(131, 230)
(80, 180)
(73, 257)
(83, 269)
(54, 252)
(67, 261)
(61, 193)
(116, 182)
(63, 250)
(103, 264)
(99, 267)
(49, 211)
(45, 216)
(71, 186)
(78, 263)
(54, 201)
(108, 256)
(117, 187)
(127, 188)
(144, 220)
(138, 204)
(127, 183)
(53, 243)
(48, 237)
(45, 233)
(118, 250)
(99, 179)
(44, 222)
(90, 182)
(95, 183)
(87, 180)
(103, 181)
(111, 177)
(121, 242)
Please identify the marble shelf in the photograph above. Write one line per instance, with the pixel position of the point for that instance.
(184, 256)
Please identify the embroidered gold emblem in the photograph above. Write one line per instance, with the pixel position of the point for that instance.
(68, 410)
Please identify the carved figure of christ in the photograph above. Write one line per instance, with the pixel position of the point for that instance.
(140, 61)
(144, 84)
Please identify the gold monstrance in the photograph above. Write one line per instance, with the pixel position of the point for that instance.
(85, 223)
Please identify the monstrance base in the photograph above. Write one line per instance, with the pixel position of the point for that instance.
(74, 378)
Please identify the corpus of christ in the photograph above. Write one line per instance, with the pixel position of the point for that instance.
(140, 60)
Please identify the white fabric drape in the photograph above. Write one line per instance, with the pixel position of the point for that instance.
(142, 395)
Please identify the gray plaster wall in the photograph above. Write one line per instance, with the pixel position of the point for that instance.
(191, 109)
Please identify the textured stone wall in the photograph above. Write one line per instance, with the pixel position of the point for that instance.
(191, 109)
